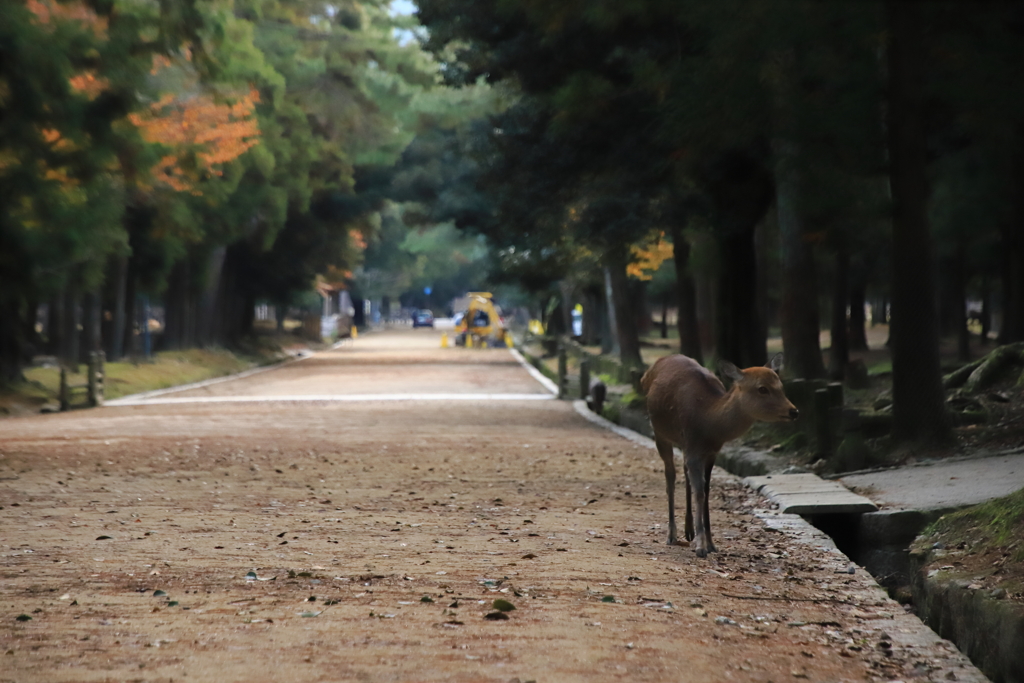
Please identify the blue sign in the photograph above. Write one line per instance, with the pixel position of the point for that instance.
(427, 290)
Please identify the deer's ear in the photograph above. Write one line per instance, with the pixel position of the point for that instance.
(775, 363)
(729, 370)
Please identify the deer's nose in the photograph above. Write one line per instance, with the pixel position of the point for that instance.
(793, 413)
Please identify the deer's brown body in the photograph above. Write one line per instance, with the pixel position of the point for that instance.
(690, 408)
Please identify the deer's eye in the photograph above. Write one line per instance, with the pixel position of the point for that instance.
(762, 390)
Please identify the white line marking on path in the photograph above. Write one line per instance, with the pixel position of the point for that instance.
(152, 397)
(534, 372)
(334, 398)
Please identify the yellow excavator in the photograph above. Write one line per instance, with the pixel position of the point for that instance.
(480, 323)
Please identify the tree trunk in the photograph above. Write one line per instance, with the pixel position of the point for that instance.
(93, 339)
(741, 192)
(640, 306)
(610, 342)
(279, 314)
(115, 348)
(958, 303)
(1012, 250)
(801, 328)
(230, 314)
(565, 291)
(72, 318)
(879, 311)
(55, 325)
(738, 337)
(839, 353)
(858, 333)
(663, 327)
(625, 324)
(208, 327)
(686, 296)
(918, 399)
(12, 348)
(176, 306)
(986, 309)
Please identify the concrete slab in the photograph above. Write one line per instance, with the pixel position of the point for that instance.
(809, 494)
(943, 484)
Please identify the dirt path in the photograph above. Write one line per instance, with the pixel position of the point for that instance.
(380, 533)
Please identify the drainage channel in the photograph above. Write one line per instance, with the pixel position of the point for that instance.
(878, 540)
(988, 632)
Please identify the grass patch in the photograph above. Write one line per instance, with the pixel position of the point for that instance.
(168, 369)
(994, 524)
(633, 400)
(880, 368)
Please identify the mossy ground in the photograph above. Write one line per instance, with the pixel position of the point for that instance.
(998, 524)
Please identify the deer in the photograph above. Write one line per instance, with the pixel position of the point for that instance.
(690, 408)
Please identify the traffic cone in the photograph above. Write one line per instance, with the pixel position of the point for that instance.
(444, 340)
(355, 332)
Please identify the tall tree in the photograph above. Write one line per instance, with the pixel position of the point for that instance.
(918, 405)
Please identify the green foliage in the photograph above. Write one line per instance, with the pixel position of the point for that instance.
(631, 399)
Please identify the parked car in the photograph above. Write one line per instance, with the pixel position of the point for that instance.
(423, 318)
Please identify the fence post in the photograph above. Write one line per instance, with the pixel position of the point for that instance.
(584, 378)
(65, 403)
(562, 370)
(822, 422)
(96, 372)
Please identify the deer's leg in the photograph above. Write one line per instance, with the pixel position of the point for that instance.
(695, 474)
(688, 528)
(665, 451)
(707, 504)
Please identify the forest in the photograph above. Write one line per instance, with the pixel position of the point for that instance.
(204, 156)
(757, 165)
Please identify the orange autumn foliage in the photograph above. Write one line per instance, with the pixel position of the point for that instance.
(160, 62)
(647, 259)
(89, 84)
(357, 239)
(49, 12)
(198, 126)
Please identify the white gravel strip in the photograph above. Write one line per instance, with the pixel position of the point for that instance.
(333, 398)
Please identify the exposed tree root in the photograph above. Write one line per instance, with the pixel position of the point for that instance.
(985, 371)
